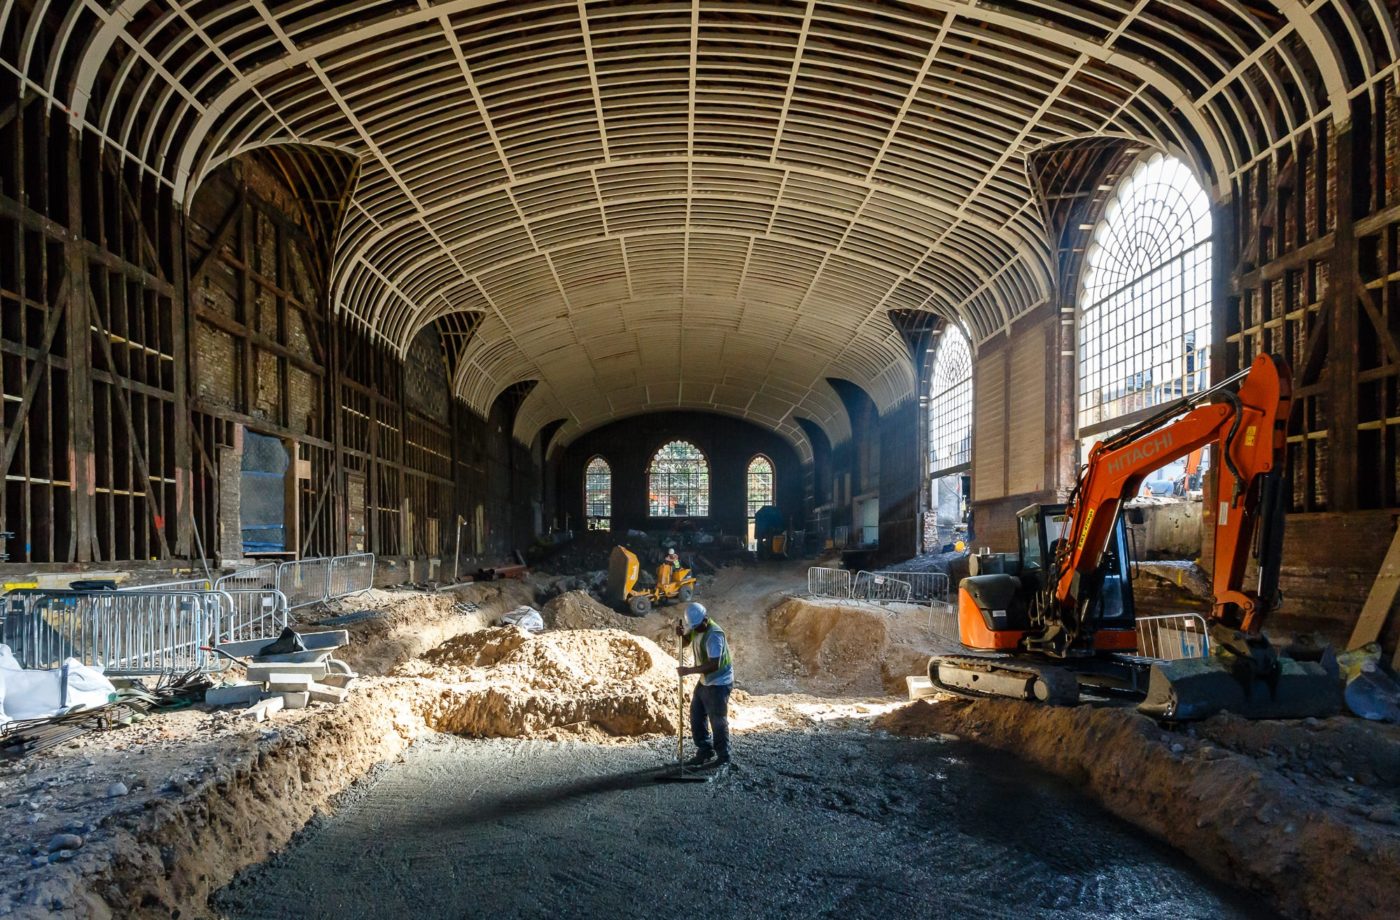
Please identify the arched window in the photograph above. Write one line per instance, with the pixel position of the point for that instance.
(597, 494)
(1144, 329)
(950, 404)
(760, 483)
(679, 481)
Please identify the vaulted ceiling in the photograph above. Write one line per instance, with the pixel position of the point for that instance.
(701, 204)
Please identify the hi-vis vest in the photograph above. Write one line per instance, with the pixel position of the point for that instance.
(698, 641)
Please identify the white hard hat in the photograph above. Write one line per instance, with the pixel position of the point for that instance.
(694, 614)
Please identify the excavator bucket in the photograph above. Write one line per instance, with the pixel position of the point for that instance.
(1197, 688)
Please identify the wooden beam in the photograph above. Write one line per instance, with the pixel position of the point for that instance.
(83, 544)
(122, 385)
(1380, 600)
(216, 243)
(1342, 345)
(36, 376)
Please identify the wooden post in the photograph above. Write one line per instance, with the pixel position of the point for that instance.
(1342, 344)
(79, 346)
(181, 323)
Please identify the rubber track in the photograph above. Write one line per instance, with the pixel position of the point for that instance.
(1050, 674)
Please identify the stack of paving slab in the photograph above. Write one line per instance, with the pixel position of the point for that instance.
(291, 680)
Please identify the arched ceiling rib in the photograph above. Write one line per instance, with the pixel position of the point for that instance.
(706, 204)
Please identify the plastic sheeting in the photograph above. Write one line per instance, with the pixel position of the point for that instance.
(28, 694)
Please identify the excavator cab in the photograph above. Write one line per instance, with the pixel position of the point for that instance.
(1042, 527)
(995, 612)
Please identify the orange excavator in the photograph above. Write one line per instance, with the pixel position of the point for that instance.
(1066, 619)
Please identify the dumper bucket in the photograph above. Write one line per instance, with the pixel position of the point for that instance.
(1197, 688)
(623, 569)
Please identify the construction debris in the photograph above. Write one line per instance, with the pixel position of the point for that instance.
(23, 737)
(295, 670)
(526, 617)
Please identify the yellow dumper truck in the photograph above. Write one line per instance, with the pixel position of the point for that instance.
(673, 583)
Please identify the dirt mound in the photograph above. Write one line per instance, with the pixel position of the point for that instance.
(388, 628)
(851, 649)
(578, 610)
(1312, 849)
(477, 650)
(505, 682)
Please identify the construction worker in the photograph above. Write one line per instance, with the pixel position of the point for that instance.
(709, 704)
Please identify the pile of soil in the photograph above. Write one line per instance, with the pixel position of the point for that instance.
(506, 682)
(1313, 849)
(388, 627)
(579, 610)
(854, 649)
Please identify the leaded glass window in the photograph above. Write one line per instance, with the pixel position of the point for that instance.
(760, 483)
(679, 481)
(597, 494)
(1144, 329)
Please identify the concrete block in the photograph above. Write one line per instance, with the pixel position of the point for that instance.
(338, 680)
(261, 672)
(295, 700)
(278, 682)
(324, 694)
(259, 712)
(240, 695)
(920, 687)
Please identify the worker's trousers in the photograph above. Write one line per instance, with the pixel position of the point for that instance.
(710, 705)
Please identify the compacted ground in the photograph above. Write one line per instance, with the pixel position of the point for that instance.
(479, 771)
(832, 822)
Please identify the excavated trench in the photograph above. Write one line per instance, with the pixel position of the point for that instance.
(831, 823)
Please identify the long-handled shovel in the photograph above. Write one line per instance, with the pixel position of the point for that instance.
(679, 772)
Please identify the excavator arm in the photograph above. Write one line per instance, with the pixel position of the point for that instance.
(1246, 426)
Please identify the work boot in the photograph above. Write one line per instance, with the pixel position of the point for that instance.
(700, 758)
(721, 764)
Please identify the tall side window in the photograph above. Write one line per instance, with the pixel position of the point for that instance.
(949, 434)
(950, 404)
(760, 482)
(597, 494)
(1144, 329)
(678, 481)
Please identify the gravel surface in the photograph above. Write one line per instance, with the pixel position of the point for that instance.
(826, 822)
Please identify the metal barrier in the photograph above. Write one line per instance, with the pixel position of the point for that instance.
(834, 583)
(351, 574)
(305, 581)
(258, 576)
(1173, 637)
(124, 632)
(924, 587)
(943, 621)
(251, 613)
(881, 588)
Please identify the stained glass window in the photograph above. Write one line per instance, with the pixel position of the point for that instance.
(679, 481)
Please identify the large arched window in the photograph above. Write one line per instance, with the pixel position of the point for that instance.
(950, 404)
(760, 482)
(597, 494)
(1144, 330)
(679, 481)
